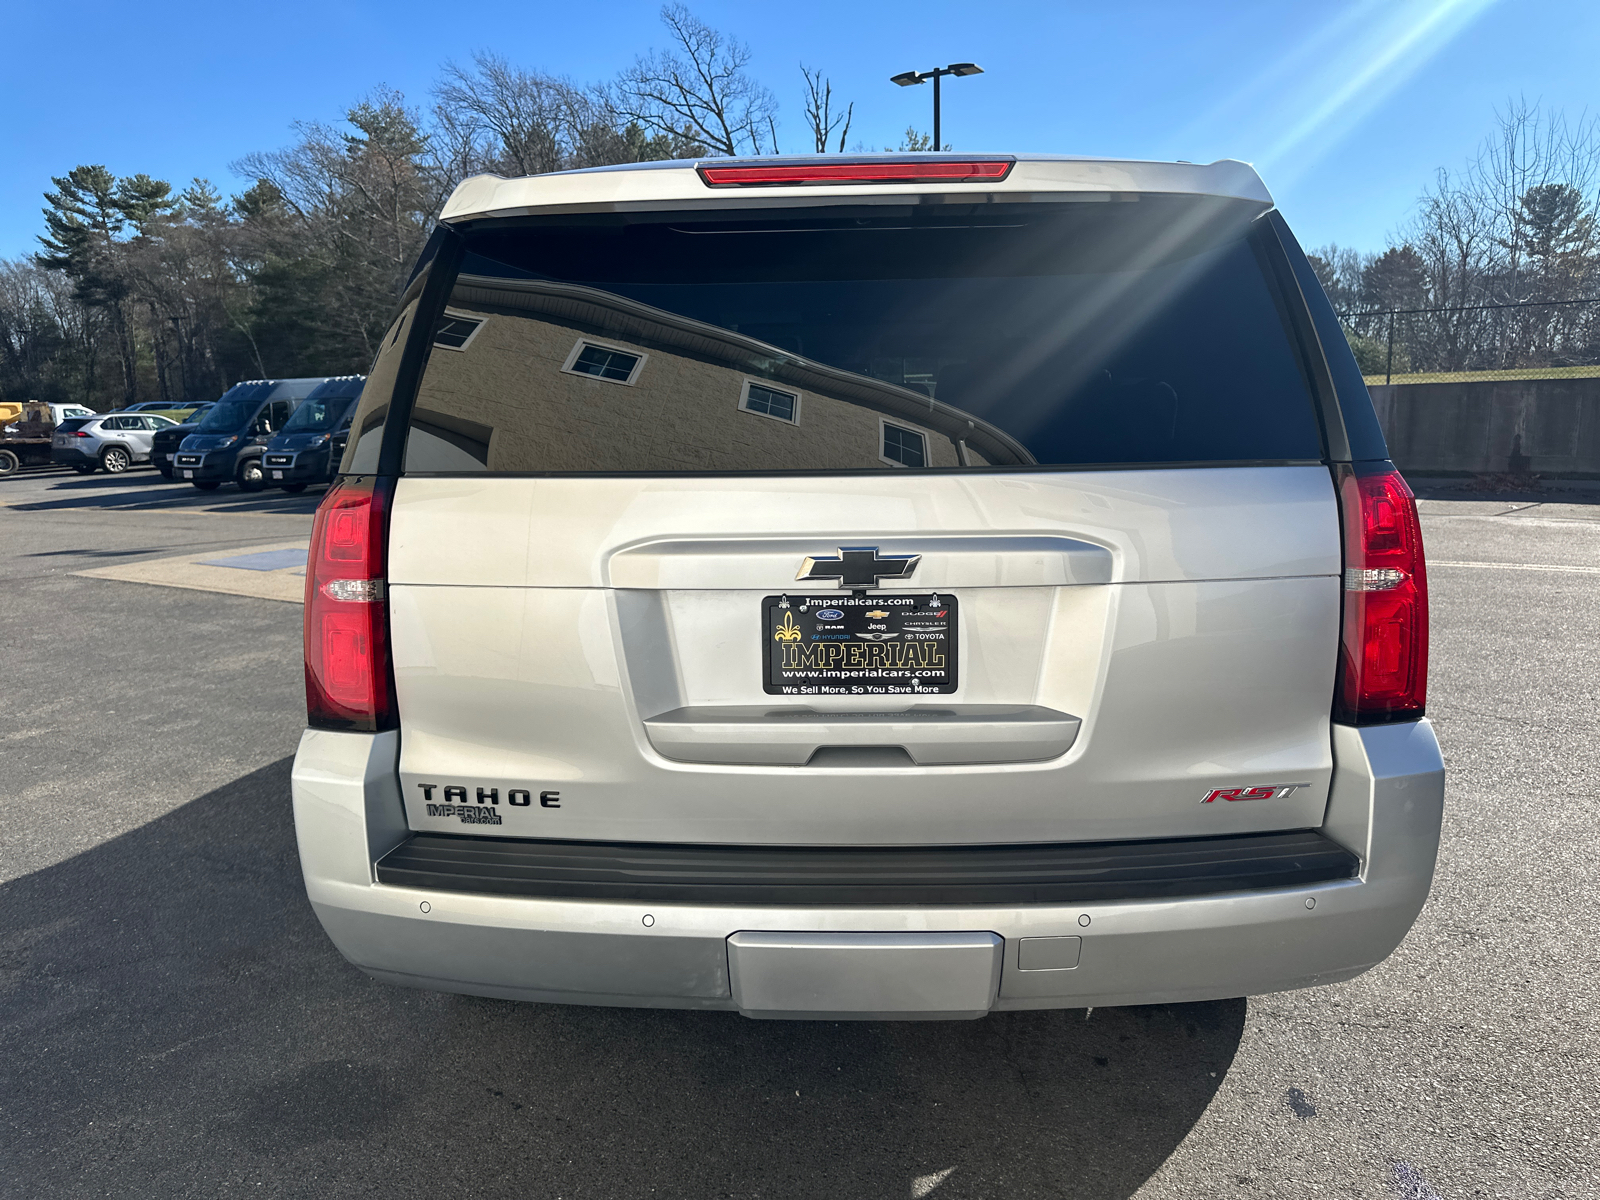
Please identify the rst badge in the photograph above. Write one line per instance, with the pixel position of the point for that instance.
(1261, 791)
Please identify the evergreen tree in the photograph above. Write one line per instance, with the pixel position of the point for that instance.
(1556, 230)
(1397, 278)
(83, 220)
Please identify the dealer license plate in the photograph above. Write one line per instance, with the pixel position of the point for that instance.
(859, 645)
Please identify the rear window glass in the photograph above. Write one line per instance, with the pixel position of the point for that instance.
(71, 424)
(1355, 403)
(363, 451)
(1106, 332)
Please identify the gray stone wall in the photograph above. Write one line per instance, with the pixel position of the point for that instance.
(1544, 426)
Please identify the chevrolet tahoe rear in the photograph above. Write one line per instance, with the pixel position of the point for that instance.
(908, 586)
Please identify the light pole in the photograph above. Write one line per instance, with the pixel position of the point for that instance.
(908, 78)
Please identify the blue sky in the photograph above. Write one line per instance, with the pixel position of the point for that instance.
(1346, 106)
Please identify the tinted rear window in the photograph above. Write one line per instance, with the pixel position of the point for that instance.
(71, 424)
(1001, 336)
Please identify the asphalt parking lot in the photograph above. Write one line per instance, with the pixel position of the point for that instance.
(174, 1023)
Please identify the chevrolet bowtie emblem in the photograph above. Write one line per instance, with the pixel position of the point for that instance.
(857, 567)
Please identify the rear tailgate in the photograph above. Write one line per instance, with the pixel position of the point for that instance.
(1204, 660)
(1080, 446)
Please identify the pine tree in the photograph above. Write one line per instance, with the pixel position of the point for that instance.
(83, 220)
(1556, 230)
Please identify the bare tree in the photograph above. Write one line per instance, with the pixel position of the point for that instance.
(1529, 149)
(1454, 235)
(602, 135)
(699, 90)
(357, 208)
(505, 118)
(1504, 246)
(48, 343)
(820, 115)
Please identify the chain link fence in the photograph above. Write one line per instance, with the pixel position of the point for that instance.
(1531, 339)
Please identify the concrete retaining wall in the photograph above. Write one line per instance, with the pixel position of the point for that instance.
(1543, 426)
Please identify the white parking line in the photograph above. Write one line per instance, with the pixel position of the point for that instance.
(1500, 566)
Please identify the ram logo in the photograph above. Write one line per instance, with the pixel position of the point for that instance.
(1261, 791)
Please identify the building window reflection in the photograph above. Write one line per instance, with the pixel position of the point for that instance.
(904, 446)
(604, 362)
(455, 331)
(770, 402)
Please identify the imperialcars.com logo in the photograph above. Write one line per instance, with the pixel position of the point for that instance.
(1263, 791)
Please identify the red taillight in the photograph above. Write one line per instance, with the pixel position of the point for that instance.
(1383, 659)
(79, 433)
(349, 674)
(932, 171)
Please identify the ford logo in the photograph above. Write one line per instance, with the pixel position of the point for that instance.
(828, 614)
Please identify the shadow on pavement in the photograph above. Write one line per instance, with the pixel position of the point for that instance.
(116, 552)
(173, 1021)
(153, 492)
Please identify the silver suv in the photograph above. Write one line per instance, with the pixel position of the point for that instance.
(112, 442)
(906, 586)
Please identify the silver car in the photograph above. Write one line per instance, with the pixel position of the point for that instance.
(110, 442)
(889, 587)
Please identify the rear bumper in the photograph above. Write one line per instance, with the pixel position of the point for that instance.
(1386, 806)
(71, 457)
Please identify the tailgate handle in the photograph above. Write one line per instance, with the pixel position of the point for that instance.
(945, 735)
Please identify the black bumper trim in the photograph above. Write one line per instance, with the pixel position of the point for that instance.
(1028, 874)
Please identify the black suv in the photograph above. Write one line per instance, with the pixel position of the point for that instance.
(166, 441)
(310, 446)
(229, 441)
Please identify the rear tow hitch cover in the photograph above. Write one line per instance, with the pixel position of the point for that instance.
(1049, 953)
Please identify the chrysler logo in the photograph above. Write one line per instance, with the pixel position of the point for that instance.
(857, 567)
